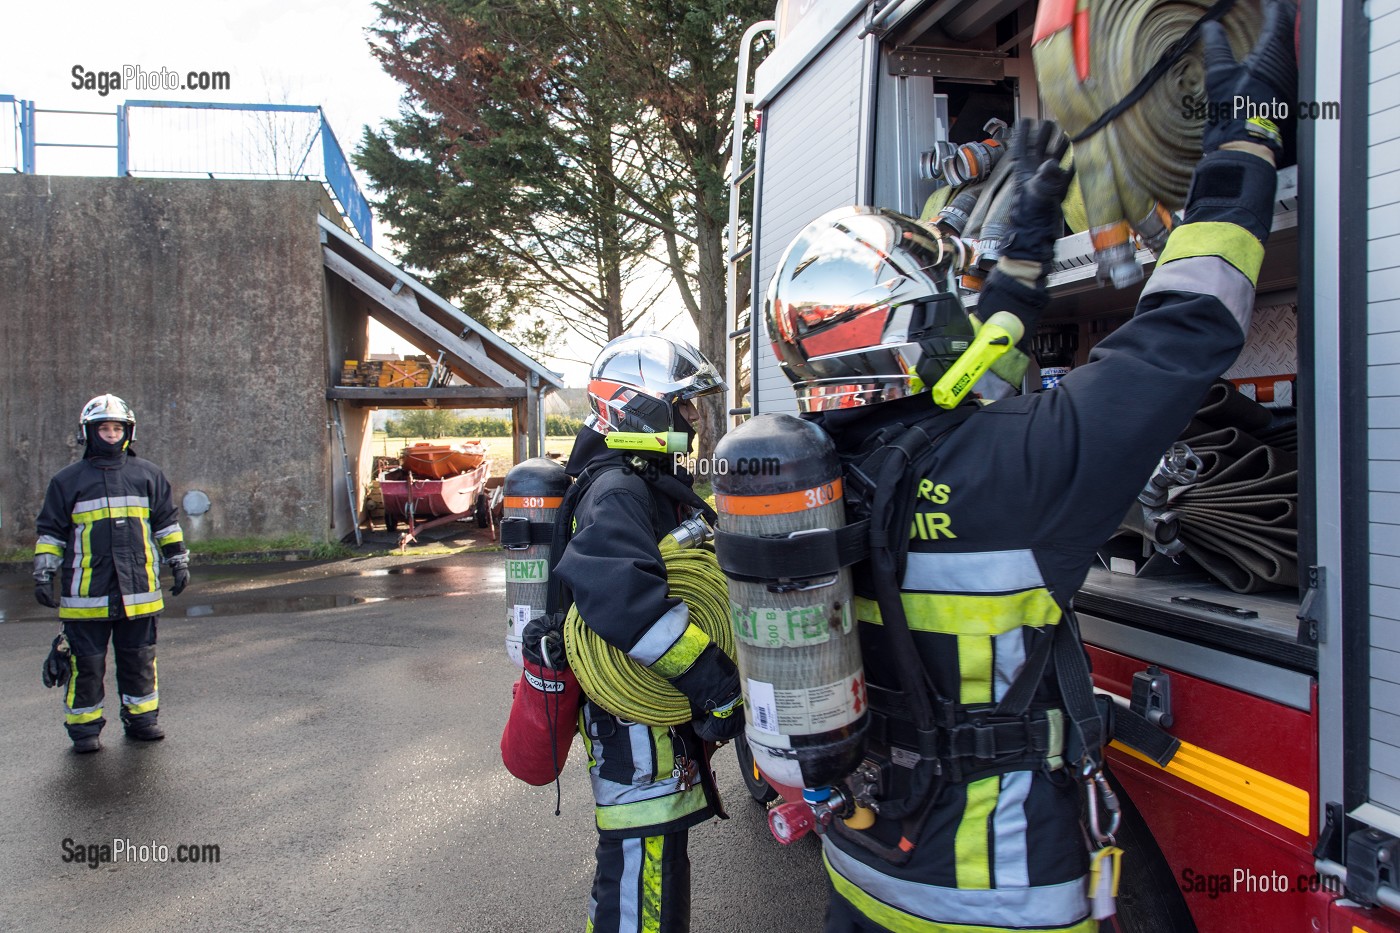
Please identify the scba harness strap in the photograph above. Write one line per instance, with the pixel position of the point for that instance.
(557, 600)
(949, 742)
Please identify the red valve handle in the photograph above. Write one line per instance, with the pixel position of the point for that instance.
(791, 821)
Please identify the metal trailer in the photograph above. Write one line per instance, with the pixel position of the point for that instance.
(1287, 703)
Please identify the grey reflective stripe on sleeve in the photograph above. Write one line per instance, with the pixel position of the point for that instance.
(972, 572)
(1207, 275)
(661, 636)
(172, 528)
(51, 540)
(1050, 905)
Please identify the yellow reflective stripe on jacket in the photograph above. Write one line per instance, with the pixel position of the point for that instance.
(893, 918)
(972, 860)
(83, 612)
(174, 537)
(116, 511)
(678, 658)
(974, 669)
(1230, 242)
(85, 578)
(963, 614)
(654, 812)
(152, 582)
(48, 549)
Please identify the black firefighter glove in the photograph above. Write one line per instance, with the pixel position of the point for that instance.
(1243, 96)
(43, 590)
(57, 666)
(542, 643)
(1037, 217)
(1017, 285)
(711, 685)
(179, 560)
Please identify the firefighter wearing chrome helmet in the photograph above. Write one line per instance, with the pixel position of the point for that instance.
(650, 783)
(986, 730)
(103, 519)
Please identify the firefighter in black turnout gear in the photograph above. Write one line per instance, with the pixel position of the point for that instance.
(106, 523)
(979, 824)
(650, 783)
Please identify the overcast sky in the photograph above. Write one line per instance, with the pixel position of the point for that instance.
(281, 51)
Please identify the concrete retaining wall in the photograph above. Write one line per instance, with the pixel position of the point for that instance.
(203, 304)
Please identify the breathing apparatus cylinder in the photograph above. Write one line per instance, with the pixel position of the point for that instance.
(799, 652)
(533, 491)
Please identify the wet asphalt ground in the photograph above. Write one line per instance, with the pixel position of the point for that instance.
(334, 730)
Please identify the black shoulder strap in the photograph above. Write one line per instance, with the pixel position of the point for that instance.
(885, 479)
(557, 601)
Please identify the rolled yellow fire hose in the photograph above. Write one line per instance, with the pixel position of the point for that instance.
(627, 689)
(1134, 171)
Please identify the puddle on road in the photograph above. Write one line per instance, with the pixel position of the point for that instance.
(242, 607)
(395, 571)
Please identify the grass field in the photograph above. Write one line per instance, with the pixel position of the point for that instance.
(497, 448)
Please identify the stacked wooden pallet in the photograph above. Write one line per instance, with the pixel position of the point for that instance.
(358, 373)
(406, 373)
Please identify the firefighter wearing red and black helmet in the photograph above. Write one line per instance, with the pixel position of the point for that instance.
(107, 523)
(987, 742)
(650, 783)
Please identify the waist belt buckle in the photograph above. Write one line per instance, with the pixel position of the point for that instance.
(1037, 738)
(984, 741)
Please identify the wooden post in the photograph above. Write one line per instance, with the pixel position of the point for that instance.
(534, 417)
(519, 428)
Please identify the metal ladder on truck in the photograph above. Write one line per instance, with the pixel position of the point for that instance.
(739, 255)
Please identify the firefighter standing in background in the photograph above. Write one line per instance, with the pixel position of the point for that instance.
(650, 783)
(102, 521)
(1009, 511)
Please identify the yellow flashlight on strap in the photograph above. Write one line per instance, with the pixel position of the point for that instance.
(663, 442)
(1000, 333)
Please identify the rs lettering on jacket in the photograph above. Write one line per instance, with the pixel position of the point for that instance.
(930, 526)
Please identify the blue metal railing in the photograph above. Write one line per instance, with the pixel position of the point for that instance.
(16, 134)
(161, 137)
